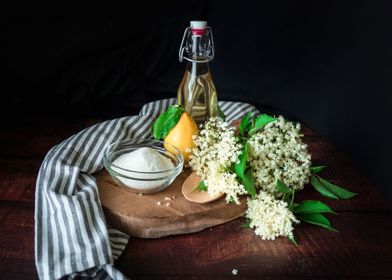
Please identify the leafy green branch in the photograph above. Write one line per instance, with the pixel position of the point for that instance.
(326, 188)
(250, 126)
(242, 169)
(308, 211)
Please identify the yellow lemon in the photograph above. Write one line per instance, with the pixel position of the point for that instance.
(181, 135)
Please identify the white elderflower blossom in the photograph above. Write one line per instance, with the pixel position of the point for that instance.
(270, 217)
(216, 149)
(215, 143)
(224, 182)
(277, 152)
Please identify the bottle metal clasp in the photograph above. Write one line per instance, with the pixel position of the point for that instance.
(210, 51)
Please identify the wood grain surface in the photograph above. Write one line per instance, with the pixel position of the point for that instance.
(361, 250)
(141, 216)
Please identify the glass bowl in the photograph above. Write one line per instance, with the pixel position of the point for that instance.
(138, 181)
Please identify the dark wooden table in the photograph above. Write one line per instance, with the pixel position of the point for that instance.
(362, 249)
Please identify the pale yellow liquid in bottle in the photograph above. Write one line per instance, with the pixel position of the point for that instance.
(197, 93)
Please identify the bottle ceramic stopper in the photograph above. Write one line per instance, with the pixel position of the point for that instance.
(198, 28)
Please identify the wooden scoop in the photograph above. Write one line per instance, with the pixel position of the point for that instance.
(190, 192)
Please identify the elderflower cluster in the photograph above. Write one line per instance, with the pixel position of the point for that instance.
(215, 146)
(224, 182)
(270, 217)
(277, 152)
(215, 150)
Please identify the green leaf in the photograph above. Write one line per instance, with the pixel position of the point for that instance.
(246, 224)
(221, 114)
(245, 121)
(261, 121)
(321, 188)
(317, 169)
(292, 240)
(201, 187)
(249, 182)
(240, 167)
(281, 187)
(166, 121)
(336, 190)
(313, 206)
(316, 219)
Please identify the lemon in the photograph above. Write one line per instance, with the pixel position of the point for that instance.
(181, 136)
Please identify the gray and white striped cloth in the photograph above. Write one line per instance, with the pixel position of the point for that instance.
(71, 234)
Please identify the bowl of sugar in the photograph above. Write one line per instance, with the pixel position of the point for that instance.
(143, 165)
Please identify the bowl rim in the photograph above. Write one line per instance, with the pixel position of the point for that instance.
(109, 164)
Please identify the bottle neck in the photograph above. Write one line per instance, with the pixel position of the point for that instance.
(198, 52)
(198, 47)
(197, 68)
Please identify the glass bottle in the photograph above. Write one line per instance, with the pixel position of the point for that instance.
(197, 93)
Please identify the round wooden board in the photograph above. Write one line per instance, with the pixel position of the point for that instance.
(141, 216)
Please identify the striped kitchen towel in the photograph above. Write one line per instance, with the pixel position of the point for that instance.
(71, 235)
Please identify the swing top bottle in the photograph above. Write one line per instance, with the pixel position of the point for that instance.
(197, 93)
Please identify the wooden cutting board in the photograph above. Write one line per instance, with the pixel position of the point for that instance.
(141, 216)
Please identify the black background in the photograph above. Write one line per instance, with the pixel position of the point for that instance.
(326, 63)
